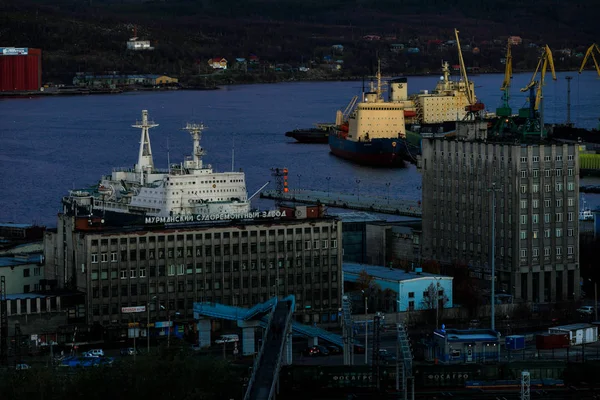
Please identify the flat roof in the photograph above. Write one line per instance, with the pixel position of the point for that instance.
(391, 274)
(358, 216)
(14, 261)
(13, 225)
(467, 335)
(572, 327)
(19, 296)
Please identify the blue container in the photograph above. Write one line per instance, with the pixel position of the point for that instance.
(515, 342)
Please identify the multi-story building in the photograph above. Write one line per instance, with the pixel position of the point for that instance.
(168, 269)
(536, 188)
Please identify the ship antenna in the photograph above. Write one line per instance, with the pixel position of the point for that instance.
(378, 79)
(196, 131)
(168, 155)
(145, 162)
(232, 153)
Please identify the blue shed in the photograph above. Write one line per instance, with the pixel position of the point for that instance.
(454, 346)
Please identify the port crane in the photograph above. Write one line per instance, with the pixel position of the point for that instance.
(544, 61)
(534, 115)
(508, 72)
(505, 121)
(588, 53)
(473, 107)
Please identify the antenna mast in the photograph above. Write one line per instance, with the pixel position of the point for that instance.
(145, 162)
(196, 131)
(232, 153)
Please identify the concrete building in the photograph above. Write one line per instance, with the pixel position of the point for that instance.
(536, 215)
(412, 290)
(168, 269)
(397, 242)
(354, 233)
(22, 273)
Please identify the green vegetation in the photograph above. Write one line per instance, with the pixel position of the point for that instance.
(90, 36)
(180, 377)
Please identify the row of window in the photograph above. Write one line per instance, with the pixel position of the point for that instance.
(570, 157)
(547, 233)
(548, 172)
(535, 250)
(558, 187)
(208, 251)
(215, 235)
(548, 203)
(558, 217)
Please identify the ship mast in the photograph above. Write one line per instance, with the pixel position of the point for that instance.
(145, 162)
(196, 131)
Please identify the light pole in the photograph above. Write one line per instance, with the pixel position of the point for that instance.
(388, 184)
(328, 179)
(366, 327)
(148, 325)
(358, 189)
(493, 189)
(437, 304)
(595, 299)
(299, 176)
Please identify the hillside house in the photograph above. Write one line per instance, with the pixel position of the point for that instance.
(218, 63)
(396, 47)
(136, 45)
(515, 40)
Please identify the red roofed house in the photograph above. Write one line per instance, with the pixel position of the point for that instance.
(218, 63)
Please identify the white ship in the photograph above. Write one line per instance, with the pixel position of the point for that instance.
(185, 192)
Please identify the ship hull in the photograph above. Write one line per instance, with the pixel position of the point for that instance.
(389, 152)
(309, 135)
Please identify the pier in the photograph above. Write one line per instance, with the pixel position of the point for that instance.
(384, 205)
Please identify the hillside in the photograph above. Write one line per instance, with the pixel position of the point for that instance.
(90, 35)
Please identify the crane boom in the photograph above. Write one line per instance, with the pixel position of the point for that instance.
(544, 61)
(588, 53)
(507, 70)
(463, 70)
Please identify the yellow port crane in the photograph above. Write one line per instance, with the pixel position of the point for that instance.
(588, 53)
(545, 60)
(463, 70)
(508, 73)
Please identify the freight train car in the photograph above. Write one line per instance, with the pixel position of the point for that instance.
(20, 69)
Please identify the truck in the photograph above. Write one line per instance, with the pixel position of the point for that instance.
(578, 333)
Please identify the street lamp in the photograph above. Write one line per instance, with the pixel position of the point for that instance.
(328, 179)
(148, 325)
(358, 189)
(366, 327)
(493, 189)
(595, 299)
(387, 184)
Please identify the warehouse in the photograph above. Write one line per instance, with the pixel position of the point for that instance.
(20, 69)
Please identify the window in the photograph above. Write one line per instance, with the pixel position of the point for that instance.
(523, 204)
(523, 188)
(523, 159)
(94, 258)
(546, 158)
(36, 271)
(558, 172)
(547, 203)
(536, 158)
(315, 244)
(104, 257)
(558, 232)
(411, 295)
(570, 250)
(570, 157)
(558, 217)
(547, 188)
(570, 217)
(535, 234)
(132, 273)
(171, 270)
(113, 256)
(558, 158)
(570, 171)
(181, 269)
(324, 244)
(523, 234)
(535, 188)
(547, 173)
(524, 173)
(570, 232)
(547, 233)
(535, 252)
(559, 251)
(546, 251)
(559, 187)
(523, 253)
(307, 245)
(570, 202)
(523, 219)
(123, 274)
(334, 244)
(534, 218)
(558, 202)
(535, 203)
(535, 173)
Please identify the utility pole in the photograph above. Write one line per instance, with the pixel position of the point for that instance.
(3, 323)
(493, 189)
(568, 78)
(366, 330)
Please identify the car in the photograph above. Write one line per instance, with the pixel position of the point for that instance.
(21, 367)
(333, 349)
(588, 310)
(94, 353)
(315, 351)
(129, 351)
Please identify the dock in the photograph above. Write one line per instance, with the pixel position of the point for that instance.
(384, 205)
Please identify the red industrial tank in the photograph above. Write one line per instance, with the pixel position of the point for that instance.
(20, 69)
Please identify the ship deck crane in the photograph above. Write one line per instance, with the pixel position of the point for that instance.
(544, 61)
(588, 53)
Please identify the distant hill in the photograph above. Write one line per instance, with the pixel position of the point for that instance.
(91, 34)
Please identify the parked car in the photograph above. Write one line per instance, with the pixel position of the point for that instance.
(333, 349)
(587, 310)
(129, 351)
(94, 353)
(315, 351)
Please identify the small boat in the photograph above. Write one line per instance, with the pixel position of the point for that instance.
(318, 134)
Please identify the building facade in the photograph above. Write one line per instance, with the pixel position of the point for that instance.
(22, 273)
(536, 187)
(168, 269)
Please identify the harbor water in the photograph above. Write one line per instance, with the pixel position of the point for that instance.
(49, 145)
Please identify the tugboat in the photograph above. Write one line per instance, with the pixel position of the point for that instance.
(374, 133)
(185, 192)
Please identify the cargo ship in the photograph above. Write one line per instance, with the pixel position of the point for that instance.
(374, 132)
(318, 134)
(186, 192)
